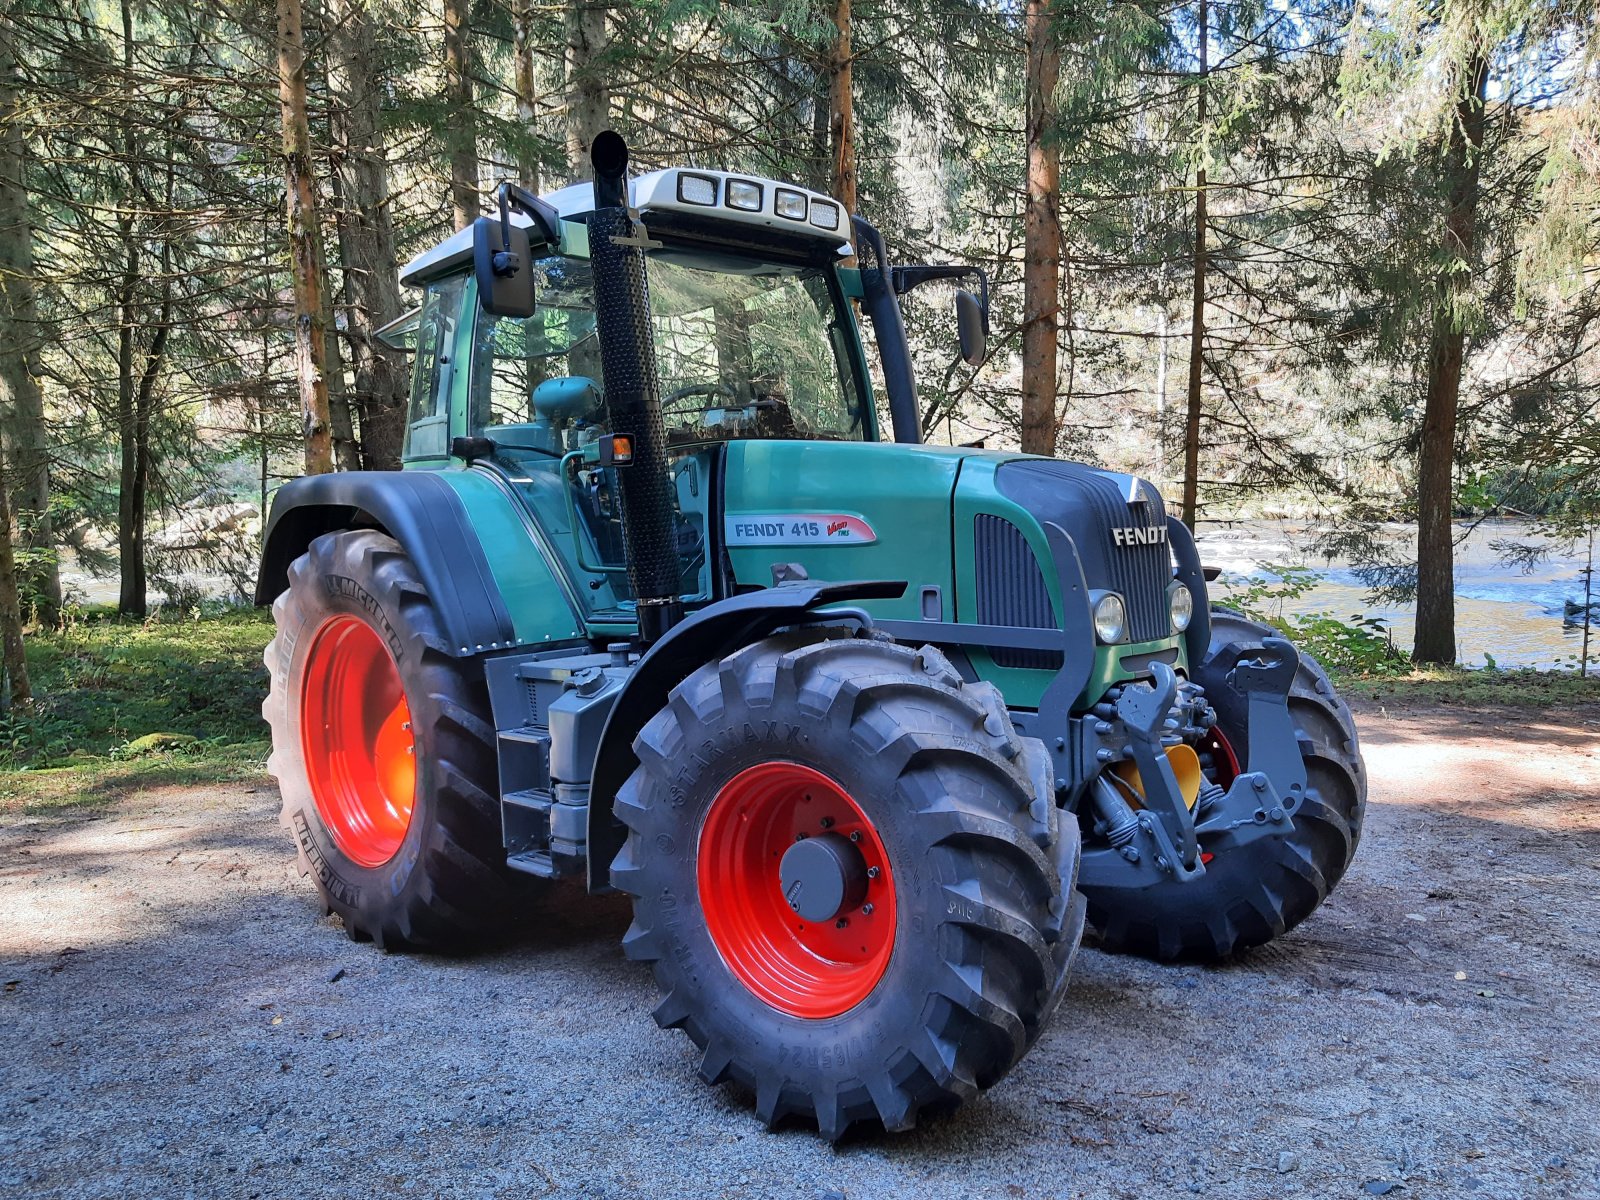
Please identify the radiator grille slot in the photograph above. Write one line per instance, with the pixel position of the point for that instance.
(1012, 590)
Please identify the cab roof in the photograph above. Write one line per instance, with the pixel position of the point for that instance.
(748, 204)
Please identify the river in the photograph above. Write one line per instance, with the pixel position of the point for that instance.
(1502, 611)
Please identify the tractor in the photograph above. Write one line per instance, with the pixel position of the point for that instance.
(868, 730)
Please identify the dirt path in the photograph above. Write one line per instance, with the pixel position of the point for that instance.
(180, 1022)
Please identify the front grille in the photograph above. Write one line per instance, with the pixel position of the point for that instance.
(1142, 573)
(1089, 504)
(1012, 590)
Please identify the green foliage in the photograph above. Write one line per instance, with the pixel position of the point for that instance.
(172, 699)
(1358, 645)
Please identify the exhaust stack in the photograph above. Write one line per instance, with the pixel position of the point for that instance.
(633, 392)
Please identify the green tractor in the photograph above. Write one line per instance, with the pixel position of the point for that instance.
(866, 729)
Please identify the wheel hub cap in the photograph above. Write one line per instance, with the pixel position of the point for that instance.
(823, 877)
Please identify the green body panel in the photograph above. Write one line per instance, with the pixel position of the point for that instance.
(536, 597)
(901, 492)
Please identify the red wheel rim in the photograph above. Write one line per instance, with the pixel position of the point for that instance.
(355, 732)
(812, 969)
(1224, 762)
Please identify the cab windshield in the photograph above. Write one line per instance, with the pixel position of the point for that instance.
(744, 350)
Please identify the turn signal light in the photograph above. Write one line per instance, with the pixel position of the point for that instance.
(616, 450)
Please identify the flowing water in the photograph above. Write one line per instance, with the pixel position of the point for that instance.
(1521, 618)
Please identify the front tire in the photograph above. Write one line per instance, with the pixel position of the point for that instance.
(383, 750)
(951, 947)
(1253, 893)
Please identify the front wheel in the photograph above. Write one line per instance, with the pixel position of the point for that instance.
(1251, 894)
(383, 750)
(851, 878)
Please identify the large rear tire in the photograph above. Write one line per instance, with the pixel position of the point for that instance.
(383, 750)
(932, 979)
(1256, 892)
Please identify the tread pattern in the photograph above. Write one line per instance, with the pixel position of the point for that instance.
(454, 890)
(1255, 893)
(984, 821)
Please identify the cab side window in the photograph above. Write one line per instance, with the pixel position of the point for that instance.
(428, 418)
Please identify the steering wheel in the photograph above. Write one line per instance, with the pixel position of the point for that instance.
(717, 388)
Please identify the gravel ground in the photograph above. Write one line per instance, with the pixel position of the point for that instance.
(179, 1021)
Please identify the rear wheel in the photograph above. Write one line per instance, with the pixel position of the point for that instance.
(1251, 894)
(383, 750)
(850, 876)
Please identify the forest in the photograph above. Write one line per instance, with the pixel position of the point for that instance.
(1307, 256)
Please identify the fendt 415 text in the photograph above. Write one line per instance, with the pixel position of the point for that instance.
(867, 729)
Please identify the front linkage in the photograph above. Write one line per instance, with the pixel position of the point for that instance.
(1170, 838)
(1167, 838)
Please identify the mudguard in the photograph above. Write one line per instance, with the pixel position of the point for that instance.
(708, 635)
(421, 511)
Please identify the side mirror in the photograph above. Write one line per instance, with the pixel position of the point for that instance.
(970, 329)
(503, 267)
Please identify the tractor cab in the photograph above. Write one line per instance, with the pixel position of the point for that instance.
(751, 325)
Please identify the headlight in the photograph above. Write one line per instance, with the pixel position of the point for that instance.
(1181, 602)
(1110, 618)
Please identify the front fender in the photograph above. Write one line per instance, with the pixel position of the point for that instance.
(709, 635)
(442, 519)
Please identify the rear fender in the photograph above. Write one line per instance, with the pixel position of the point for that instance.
(709, 635)
(422, 512)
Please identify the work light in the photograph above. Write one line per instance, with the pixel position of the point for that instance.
(744, 195)
(790, 204)
(824, 214)
(697, 189)
(1110, 618)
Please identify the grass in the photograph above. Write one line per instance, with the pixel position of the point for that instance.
(1452, 686)
(176, 701)
(125, 705)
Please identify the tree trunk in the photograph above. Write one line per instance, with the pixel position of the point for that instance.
(1436, 454)
(133, 473)
(460, 120)
(841, 110)
(19, 689)
(588, 94)
(522, 53)
(305, 243)
(1041, 232)
(1197, 317)
(366, 234)
(21, 397)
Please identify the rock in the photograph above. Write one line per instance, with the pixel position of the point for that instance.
(1288, 1161)
(336, 975)
(1381, 1187)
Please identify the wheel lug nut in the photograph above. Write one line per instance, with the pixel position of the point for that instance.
(801, 836)
(873, 872)
(841, 922)
(827, 822)
(866, 910)
(855, 835)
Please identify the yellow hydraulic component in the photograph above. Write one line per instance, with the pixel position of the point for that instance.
(1185, 765)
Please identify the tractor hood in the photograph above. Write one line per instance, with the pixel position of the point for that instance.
(964, 528)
